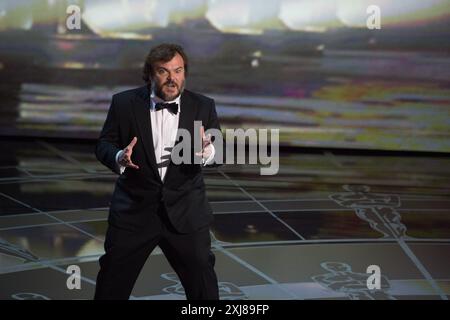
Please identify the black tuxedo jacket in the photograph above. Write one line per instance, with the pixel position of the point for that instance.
(139, 193)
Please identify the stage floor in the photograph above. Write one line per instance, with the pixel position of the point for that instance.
(309, 232)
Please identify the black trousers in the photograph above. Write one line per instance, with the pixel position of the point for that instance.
(126, 252)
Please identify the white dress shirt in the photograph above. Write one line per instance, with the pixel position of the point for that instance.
(164, 132)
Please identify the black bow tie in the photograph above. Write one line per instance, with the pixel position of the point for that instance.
(172, 107)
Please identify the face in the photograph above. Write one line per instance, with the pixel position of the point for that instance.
(169, 78)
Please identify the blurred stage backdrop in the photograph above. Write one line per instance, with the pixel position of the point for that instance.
(309, 67)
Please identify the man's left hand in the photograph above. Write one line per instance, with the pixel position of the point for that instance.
(206, 144)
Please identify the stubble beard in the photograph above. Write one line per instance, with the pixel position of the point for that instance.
(168, 97)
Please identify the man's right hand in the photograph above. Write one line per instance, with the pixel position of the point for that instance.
(125, 158)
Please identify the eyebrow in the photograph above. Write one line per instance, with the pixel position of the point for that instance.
(180, 67)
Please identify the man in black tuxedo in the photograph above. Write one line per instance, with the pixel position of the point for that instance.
(157, 202)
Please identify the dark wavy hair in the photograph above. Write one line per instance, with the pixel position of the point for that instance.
(163, 52)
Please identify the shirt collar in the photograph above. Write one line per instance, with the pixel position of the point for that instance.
(154, 99)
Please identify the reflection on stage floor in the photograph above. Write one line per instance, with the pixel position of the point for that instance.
(309, 232)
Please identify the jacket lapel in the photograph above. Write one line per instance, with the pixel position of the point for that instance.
(187, 114)
(188, 110)
(141, 110)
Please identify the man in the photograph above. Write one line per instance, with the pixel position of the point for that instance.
(157, 202)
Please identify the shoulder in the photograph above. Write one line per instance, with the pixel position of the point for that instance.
(121, 101)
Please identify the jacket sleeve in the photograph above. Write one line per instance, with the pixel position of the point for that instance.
(108, 143)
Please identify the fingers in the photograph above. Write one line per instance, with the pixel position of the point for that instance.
(126, 156)
(202, 134)
(126, 160)
(129, 164)
(206, 140)
(132, 143)
(204, 153)
(133, 166)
